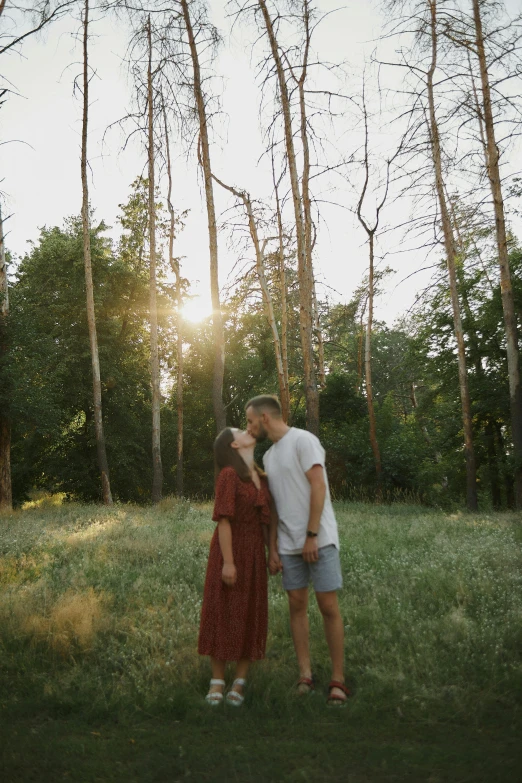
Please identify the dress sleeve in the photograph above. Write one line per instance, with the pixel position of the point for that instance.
(225, 502)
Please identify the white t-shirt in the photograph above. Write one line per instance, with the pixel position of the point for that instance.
(286, 463)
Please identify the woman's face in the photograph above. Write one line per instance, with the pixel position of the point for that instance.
(243, 439)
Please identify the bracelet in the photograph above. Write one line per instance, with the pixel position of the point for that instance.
(311, 534)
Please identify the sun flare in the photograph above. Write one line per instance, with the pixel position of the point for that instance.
(195, 310)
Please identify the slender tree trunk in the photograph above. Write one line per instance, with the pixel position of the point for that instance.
(285, 401)
(179, 402)
(494, 474)
(506, 474)
(175, 266)
(320, 342)
(157, 468)
(425, 433)
(368, 371)
(305, 288)
(265, 291)
(269, 308)
(309, 283)
(370, 231)
(204, 157)
(360, 351)
(508, 307)
(91, 319)
(449, 245)
(6, 496)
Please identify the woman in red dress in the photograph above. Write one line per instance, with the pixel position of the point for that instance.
(234, 614)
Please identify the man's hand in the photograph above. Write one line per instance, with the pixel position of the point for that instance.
(274, 563)
(310, 551)
(229, 574)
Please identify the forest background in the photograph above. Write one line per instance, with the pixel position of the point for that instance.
(400, 146)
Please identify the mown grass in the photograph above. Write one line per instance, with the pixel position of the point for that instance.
(100, 679)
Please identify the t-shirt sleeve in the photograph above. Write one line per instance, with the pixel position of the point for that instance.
(225, 502)
(309, 452)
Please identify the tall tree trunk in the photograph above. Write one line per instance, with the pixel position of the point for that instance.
(360, 350)
(157, 469)
(321, 372)
(285, 401)
(449, 245)
(368, 372)
(261, 276)
(508, 307)
(91, 319)
(6, 497)
(370, 231)
(425, 433)
(309, 297)
(506, 474)
(175, 266)
(204, 157)
(269, 308)
(179, 400)
(305, 287)
(494, 473)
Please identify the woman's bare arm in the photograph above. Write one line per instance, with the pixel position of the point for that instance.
(229, 573)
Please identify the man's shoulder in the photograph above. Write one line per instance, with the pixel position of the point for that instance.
(305, 435)
(268, 453)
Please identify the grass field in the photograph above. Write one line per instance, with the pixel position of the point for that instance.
(100, 680)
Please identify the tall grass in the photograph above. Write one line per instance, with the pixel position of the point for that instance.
(99, 614)
(99, 610)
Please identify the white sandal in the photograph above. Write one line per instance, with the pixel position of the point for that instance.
(215, 697)
(233, 697)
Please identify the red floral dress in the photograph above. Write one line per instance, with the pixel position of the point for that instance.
(234, 619)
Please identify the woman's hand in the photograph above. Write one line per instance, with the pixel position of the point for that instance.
(229, 574)
(274, 563)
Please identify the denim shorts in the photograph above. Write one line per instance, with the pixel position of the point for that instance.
(325, 574)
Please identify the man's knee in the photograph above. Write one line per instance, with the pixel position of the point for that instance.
(328, 604)
(298, 601)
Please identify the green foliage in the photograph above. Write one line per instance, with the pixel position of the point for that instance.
(50, 368)
(46, 374)
(439, 396)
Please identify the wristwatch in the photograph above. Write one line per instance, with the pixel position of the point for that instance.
(311, 534)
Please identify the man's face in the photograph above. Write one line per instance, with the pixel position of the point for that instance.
(255, 424)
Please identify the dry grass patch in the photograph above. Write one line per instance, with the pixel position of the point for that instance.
(70, 624)
(44, 500)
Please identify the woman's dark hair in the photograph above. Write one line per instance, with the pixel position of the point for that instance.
(225, 456)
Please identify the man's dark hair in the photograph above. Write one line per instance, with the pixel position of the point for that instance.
(265, 402)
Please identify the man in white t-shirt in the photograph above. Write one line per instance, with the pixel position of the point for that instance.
(304, 542)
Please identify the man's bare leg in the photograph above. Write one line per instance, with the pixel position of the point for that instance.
(298, 603)
(334, 632)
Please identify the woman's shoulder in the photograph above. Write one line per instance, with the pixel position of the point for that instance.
(227, 472)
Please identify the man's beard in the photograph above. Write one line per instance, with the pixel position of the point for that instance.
(262, 435)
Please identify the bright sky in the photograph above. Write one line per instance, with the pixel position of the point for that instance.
(41, 169)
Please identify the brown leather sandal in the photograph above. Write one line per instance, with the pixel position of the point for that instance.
(336, 701)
